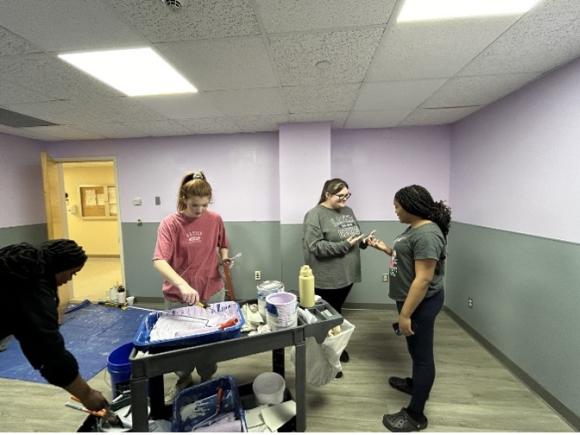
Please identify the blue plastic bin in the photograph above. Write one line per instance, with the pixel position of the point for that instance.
(142, 336)
(203, 398)
(119, 368)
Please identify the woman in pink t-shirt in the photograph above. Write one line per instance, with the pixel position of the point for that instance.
(191, 243)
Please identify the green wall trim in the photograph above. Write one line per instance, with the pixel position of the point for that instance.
(33, 234)
(526, 300)
(566, 413)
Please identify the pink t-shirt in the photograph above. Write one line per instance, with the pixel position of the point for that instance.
(190, 246)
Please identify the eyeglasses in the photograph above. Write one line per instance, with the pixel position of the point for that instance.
(345, 196)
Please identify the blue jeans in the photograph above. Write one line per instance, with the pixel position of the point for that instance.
(420, 346)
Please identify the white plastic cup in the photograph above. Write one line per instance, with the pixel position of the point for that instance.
(130, 300)
(269, 388)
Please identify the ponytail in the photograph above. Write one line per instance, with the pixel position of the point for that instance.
(192, 184)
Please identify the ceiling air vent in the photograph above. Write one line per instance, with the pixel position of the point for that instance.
(18, 120)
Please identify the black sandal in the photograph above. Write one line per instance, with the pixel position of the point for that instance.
(402, 384)
(402, 422)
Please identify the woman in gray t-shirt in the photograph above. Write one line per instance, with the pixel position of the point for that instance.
(331, 242)
(417, 268)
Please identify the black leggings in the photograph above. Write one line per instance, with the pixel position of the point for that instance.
(335, 297)
(420, 347)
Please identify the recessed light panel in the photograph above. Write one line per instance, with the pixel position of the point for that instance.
(428, 10)
(134, 72)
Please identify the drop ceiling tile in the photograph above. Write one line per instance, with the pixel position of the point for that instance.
(477, 91)
(435, 49)
(279, 16)
(334, 98)
(25, 133)
(57, 111)
(537, 43)
(198, 105)
(337, 118)
(11, 44)
(160, 128)
(438, 116)
(52, 77)
(82, 24)
(63, 132)
(209, 125)
(122, 109)
(14, 94)
(249, 102)
(112, 130)
(396, 95)
(232, 63)
(256, 123)
(376, 118)
(199, 19)
(347, 53)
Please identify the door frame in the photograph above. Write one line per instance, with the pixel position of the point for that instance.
(60, 160)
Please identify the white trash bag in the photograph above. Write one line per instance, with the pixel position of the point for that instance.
(323, 360)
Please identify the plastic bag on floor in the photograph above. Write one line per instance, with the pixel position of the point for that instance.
(323, 360)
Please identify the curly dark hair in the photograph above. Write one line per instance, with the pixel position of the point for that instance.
(417, 200)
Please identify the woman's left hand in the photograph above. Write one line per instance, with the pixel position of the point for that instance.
(405, 326)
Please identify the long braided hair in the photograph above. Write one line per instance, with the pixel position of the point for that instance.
(24, 261)
(417, 200)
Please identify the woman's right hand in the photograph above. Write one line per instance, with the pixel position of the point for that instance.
(189, 295)
(377, 244)
(353, 240)
(94, 400)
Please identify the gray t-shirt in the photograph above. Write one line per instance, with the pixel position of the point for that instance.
(335, 264)
(421, 243)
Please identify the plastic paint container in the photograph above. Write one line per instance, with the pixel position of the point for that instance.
(269, 388)
(281, 311)
(263, 290)
(119, 368)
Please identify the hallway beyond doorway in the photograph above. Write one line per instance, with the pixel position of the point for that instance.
(96, 277)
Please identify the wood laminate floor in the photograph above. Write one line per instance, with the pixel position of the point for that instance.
(473, 391)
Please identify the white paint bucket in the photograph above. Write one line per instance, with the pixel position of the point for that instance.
(269, 388)
(281, 311)
(263, 290)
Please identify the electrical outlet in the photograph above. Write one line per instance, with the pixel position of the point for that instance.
(469, 302)
(257, 275)
(385, 277)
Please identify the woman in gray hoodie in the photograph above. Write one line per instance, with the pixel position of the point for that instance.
(331, 242)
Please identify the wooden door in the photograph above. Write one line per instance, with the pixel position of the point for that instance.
(54, 201)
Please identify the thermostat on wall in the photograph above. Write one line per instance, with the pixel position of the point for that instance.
(137, 201)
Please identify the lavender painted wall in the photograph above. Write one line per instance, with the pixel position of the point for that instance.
(304, 167)
(242, 169)
(378, 162)
(21, 192)
(515, 165)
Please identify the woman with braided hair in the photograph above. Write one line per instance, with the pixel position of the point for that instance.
(416, 270)
(30, 278)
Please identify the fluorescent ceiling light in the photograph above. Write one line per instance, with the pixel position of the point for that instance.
(426, 10)
(137, 71)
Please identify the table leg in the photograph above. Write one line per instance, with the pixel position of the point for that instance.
(278, 361)
(139, 404)
(300, 382)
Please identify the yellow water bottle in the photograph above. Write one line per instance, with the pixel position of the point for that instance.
(306, 287)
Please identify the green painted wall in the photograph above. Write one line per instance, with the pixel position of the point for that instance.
(526, 293)
(274, 249)
(33, 234)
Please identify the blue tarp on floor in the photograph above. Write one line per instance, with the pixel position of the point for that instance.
(91, 333)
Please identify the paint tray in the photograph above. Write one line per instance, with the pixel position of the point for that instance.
(204, 404)
(143, 341)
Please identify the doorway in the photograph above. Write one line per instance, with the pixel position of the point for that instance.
(90, 217)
